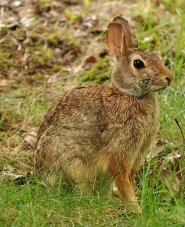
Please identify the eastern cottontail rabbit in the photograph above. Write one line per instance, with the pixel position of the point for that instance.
(105, 128)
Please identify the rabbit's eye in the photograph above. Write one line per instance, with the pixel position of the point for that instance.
(138, 64)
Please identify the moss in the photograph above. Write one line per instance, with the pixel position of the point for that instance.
(52, 38)
(41, 55)
(71, 16)
(71, 40)
(6, 61)
(98, 73)
(45, 1)
(3, 31)
(57, 68)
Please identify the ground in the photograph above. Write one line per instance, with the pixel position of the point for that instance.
(47, 47)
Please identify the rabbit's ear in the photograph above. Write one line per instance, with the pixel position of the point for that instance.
(126, 29)
(115, 39)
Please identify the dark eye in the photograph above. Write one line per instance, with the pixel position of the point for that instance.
(138, 64)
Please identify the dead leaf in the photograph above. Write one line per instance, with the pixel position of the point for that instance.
(3, 83)
(10, 172)
(31, 136)
(89, 60)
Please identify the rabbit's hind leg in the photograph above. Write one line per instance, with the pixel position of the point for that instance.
(57, 159)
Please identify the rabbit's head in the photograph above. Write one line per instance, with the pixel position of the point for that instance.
(136, 72)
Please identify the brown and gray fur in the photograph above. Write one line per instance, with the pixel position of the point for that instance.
(105, 128)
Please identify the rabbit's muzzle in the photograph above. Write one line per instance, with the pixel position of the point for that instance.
(160, 82)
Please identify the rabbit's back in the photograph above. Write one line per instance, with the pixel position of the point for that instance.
(79, 111)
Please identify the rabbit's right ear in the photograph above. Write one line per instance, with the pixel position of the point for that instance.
(115, 39)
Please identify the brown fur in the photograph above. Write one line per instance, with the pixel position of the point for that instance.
(105, 129)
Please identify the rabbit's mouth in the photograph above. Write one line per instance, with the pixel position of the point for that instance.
(156, 89)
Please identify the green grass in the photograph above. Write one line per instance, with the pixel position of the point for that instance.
(23, 104)
(35, 205)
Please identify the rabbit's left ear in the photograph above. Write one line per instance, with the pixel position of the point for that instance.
(115, 39)
(126, 30)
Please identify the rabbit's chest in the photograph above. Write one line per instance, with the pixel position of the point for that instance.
(133, 128)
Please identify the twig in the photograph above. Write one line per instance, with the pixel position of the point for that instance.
(183, 138)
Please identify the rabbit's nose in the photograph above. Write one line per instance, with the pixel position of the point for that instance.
(169, 78)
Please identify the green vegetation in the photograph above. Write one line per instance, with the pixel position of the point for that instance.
(34, 205)
(98, 73)
(25, 97)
